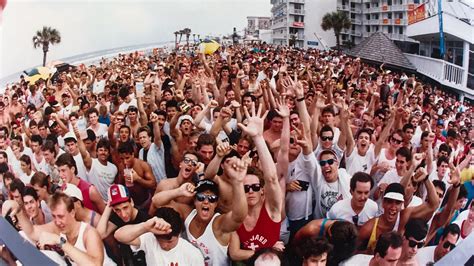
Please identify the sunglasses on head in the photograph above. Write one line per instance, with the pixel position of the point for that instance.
(330, 162)
(189, 161)
(211, 198)
(254, 187)
(326, 138)
(413, 243)
(449, 245)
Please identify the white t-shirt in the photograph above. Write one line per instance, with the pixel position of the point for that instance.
(343, 210)
(390, 177)
(124, 106)
(102, 131)
(102, 176)
(356, 260)
(81, 168)
(425, 255)
(357, 163)
(156, 160)
(183, 254)
(327, 194)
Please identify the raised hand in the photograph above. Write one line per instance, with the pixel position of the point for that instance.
(158, 226)
(47, 238)
(235, 169)
(187, 190)
(417, 159)
(223, 149)
(281, 106)
(455, 175)
(153, 117)
(420, 175)
(255, 121)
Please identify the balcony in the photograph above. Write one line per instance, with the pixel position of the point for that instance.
(385, 8)
(343, 7)
(396, 36)
(296, 1)
(356, 33)
(372, 10)
(356, 21)
(398, 8)
(283, 36)
(357, 10)
(444, 72)
(296, 11)
(297, 24)
(280, 24)
(374, 22)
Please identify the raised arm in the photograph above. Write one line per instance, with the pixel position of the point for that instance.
(130, 234)
(86, 157)
(384, 135)
(156, 130)
(273, 193)
(104, 227)
(425, 210)
(143, 117)
(166, 197)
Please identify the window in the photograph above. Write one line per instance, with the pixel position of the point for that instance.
(367, 17)
(367, 28)
(400, 30)
(389, 2)
(389, 15)
(400, 15)
(390, 30)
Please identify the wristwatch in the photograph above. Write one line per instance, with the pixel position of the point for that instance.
(62, 241)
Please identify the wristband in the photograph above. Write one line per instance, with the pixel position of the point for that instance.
(300, 99)
(458, 185)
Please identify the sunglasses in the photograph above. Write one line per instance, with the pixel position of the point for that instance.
(292, 140)
(254, 187)
(326, 138)
(330, 162)
(396, 141)
(189, 161)
(381, 117)
(211, 198)
(413, 243)
(449, 245)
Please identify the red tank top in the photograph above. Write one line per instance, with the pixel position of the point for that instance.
(84, 186)
(265, 234)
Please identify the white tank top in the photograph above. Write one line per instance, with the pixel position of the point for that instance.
(214, 253)
(80, 245)
(383, 158)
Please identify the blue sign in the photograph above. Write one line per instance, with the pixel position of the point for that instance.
(313, 43)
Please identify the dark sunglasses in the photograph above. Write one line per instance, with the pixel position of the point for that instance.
(254, 187)
(381, 117)
(449, 245)
(326, 138)
(292, 140)
(396, 141)
(330, 162)
(211, 198)
(413, 243)
(189, 161)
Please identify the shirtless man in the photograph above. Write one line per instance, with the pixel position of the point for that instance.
(187, 168)
(139, 180)
(79, 241)
(274, 132)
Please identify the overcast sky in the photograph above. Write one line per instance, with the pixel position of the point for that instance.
(87, 26)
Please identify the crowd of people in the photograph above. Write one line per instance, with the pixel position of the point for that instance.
(252, 155)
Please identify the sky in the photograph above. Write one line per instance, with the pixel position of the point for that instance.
(93, 25)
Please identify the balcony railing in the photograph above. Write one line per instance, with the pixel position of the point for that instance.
(296, 1)
(356, 33)
(374, 22)
(279, 24)
(398, 8)
(296, 11)
(357, 10)
(444, 72)
(356, 21)
(343, 7)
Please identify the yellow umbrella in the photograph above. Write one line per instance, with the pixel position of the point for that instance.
(38, 73)
(209, 46)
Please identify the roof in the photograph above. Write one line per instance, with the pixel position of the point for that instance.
(379, 48)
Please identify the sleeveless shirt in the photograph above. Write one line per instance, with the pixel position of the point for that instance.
(265, 234)
(84, 186)
(215, 254)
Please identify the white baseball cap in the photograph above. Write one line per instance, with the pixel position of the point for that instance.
(73, 191)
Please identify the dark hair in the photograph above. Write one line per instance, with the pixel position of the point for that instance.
(40, 179)
(416, 228)
(364, 130)
(92, 110)
(17, 184)
(48, 145)
(452, 229)
(4, 168)
(326, 128)
(343, 236)
(172, 217)
(328, 109)
(66, 159)
(444, 147)
(4, 154)
(29, 191)
(126, 147)
(408, 126)
(26, 159)
(361, 177)
(387, 240)
(206, 139)
(103, 143)
(144, 129)
(272, 114)
(171, 103)
(310, 246)
(37, 138)
(8, 175)
(442, 159)
(452, 133)
(124, 92)
(162, 113)
(440, 184)
(405, 152)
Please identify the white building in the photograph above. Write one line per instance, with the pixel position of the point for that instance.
(456, 68)
(255, 24)
(300, 20)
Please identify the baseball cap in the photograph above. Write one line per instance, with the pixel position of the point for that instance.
(395, 191)
(207, 184)
(70, 135)
(118, 194)
(185, 117)
(73, 191)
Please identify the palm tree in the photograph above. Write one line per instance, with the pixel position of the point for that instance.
(44, 38)
(181, 32)
(176, 39)
(336, 21)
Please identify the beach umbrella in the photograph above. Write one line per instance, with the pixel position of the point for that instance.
(209, 46)
(38, 73)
